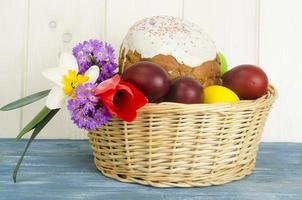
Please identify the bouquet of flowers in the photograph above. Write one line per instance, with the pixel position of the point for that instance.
(88, 84)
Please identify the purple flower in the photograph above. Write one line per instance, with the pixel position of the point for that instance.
(89, 46)
(84, 60)
(95, 52)
(108, 70)
(100, 54)
(78, 50)
(110, 52)
(89, 106)
(85, 109)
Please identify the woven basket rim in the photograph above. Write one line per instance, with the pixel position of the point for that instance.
(270, 96)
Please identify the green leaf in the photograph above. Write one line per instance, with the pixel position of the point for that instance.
(25, 101)
(33, 123)
(37, 130)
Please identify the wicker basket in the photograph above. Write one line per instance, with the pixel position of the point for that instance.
(180, 145)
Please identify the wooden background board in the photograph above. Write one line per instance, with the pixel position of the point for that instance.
(64, 169)
(34, 32)
(12, 58)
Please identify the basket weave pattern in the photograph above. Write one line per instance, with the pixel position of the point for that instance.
(181, 145)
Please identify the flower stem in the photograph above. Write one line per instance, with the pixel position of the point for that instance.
(94, 61)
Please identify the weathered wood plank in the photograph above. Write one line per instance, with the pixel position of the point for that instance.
(64, 169)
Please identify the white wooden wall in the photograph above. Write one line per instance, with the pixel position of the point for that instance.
(34, 32)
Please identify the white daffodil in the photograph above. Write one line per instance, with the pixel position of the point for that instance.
(66, 78)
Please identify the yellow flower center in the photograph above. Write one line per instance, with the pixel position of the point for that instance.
(71, 80)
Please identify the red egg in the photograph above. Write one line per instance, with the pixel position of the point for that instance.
(247, 81)
(185, 90)
(149, 78)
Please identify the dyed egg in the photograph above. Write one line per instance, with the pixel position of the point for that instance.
(247, 81)
(149, 78)
(223, 63)
(219, 94)
(185, 90)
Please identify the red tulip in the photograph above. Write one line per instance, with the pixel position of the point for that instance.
(121, 98)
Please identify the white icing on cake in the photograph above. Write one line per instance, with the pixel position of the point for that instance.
(186, 42)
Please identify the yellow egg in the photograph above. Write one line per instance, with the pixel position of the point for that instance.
(219, 94)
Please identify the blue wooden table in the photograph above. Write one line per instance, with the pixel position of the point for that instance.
(64, 169)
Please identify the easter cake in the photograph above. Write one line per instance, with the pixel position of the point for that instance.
(180, 47)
